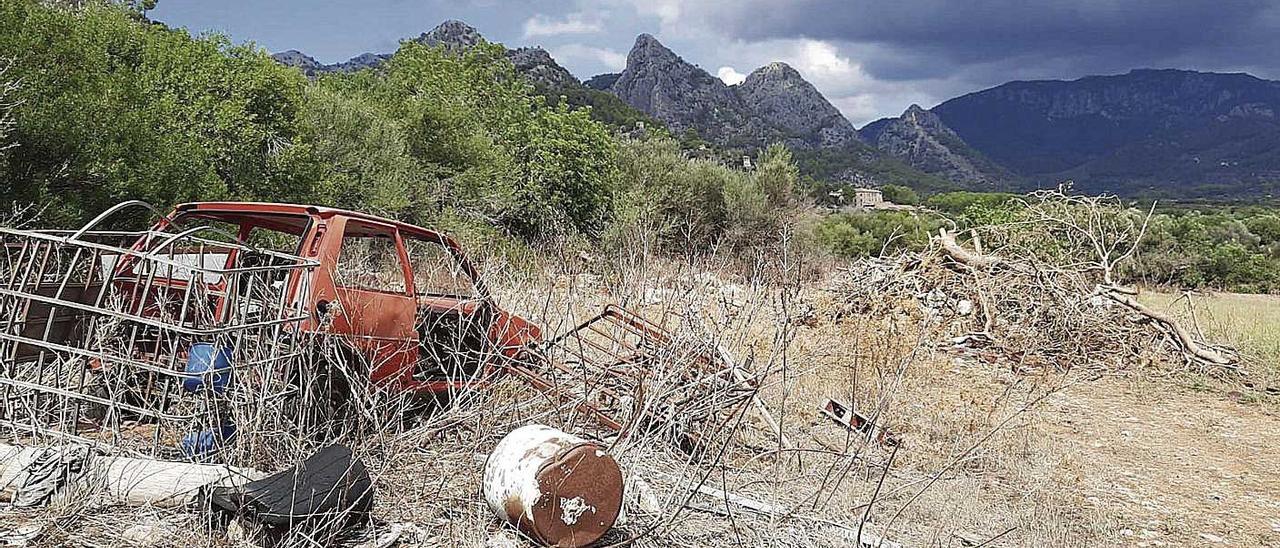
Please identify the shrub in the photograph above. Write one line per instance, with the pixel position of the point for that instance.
(864, 234)
(112, 108)
(899, 194)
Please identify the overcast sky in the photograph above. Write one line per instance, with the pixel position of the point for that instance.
(871, 58)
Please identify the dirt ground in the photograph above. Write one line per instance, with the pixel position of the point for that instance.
(1111, 461)
(990, 457)
(1172, 466)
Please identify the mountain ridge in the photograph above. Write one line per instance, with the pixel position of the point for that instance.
(534, 62)
(1144, 131)
(920, 139)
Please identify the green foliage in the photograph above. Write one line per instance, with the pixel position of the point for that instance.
(829, 166)
(8, 88)
(111, 108)
(1231, 250)
(899, 194)
(114, 107)
(970, 209)
(863, 234)
(693, 205)
(661, 193)
(475, 141)
(604, 107)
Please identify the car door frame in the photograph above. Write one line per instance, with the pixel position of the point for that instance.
(378, 325)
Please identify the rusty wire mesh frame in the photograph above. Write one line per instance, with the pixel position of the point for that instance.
(624, 372)
(103, 321)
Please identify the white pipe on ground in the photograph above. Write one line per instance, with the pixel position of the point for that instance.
(130, 481)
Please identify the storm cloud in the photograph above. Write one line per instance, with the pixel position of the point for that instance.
(871, 58)
(942, 38)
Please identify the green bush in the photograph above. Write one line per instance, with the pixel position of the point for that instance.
(899, 194)
(436, 132)
(970, 209)
(111, 108)
(692, 205)
(114, 107)
(865, 234)
(1236, 251)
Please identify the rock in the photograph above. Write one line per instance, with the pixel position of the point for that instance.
(294, 58)
(661, 84)
(148, 535)
(535, 63)
(921, 140)
(452, 34)
(1210, 537)
(538, 66)
(774, 104)
(786, 101)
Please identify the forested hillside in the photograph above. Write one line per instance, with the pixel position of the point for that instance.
(109, 106)
(98, 105)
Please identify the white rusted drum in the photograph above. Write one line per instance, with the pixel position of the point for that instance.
(558, 488)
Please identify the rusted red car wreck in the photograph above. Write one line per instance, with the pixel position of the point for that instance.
(222, 313)
(228, 338)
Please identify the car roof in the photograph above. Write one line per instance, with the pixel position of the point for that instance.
(322, 212)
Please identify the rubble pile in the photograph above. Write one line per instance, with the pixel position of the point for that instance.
(1044, 297)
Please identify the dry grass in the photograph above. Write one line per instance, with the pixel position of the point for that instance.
(1051, 459)
(1250, 323)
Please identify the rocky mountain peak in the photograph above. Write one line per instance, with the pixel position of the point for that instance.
(452, 34)
(920, 139)
(538, 65)
(647, 50)
(294, 58)
(773, 104)
(661, 84)
(925, 119)
(776, 70)
(785, 100)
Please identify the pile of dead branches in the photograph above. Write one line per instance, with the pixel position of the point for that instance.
(1039, 290)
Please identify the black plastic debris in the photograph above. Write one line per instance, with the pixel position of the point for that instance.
(49, 473)
(330, 490)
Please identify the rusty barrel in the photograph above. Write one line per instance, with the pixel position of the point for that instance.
(558, 488)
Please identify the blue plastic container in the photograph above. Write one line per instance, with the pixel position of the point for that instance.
(207, 367)
(197, 446)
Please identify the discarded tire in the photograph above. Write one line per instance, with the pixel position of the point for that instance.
(557, 488)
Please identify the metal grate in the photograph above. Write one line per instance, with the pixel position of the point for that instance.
(626, 373)
(99, 332)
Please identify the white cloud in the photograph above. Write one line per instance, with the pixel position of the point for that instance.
(822, 61)
(833, 68)
(730, 76)
(667, 11)
(574, 23)
(608, 58)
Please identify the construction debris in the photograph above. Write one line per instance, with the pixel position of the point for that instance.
(122, 480)
(629, 375)
(48, 473)
(845, 415)
(184, 359)
(329, 490)
(1036, 294)
(559, 489)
